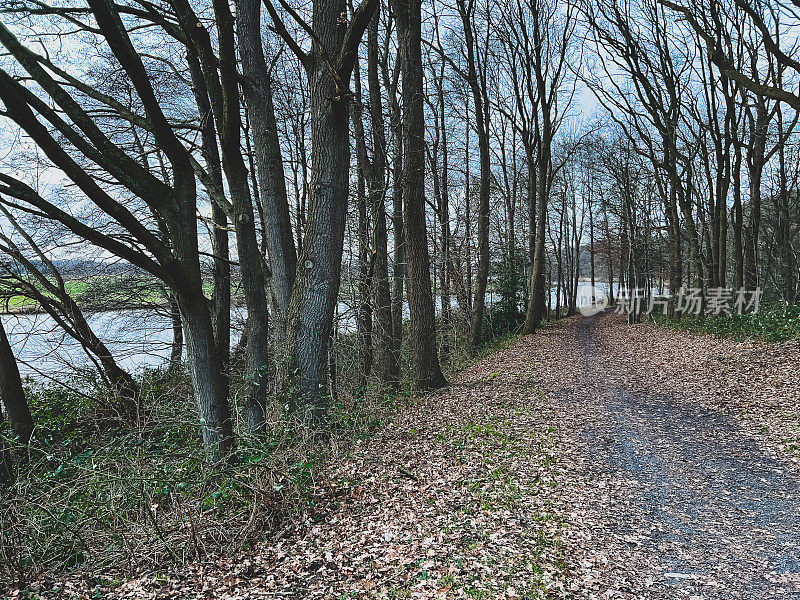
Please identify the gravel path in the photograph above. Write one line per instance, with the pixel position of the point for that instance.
(670, 498)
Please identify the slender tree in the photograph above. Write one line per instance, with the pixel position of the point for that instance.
(387, 364)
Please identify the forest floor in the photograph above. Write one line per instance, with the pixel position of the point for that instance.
(591, 460)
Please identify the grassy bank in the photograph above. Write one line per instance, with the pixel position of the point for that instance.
(92, 293)
(776, 324)
(103, 498)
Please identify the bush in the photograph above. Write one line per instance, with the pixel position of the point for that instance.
(98, 496)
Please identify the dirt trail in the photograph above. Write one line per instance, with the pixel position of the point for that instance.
(670, 498)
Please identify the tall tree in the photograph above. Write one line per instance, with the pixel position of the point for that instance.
(364, 275)
(387, 364)
(220, 74)
(171, 252)
(426, 372)
(271, 180)
(329, 66)
(477, 81)
(548, 33)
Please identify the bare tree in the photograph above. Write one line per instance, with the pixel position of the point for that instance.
(172, 203)
(548, 34)
(329, 66)
(387, 362)
(426, 372)
(47, 288)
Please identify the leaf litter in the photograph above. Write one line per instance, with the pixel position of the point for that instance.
(591, 460)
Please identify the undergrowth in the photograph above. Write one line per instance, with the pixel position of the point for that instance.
(96, 496)
(775, 324)
(100, 497)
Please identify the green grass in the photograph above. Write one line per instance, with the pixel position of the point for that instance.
(771, 325)
(96, 291)
(105, 291)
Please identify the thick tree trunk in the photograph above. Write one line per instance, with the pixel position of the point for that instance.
(738, 240)
(673, 227)
(685, 205)
(310, 316)
(783, 233)
(426, 372)
(530, 192)
(208, 382)
(212, 404)
(722, 238)
(675, 258)
(221, 284)
(176, 349)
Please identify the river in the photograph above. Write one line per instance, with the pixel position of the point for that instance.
(138, 339)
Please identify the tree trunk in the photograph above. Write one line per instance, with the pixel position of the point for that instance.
(738, 241)
(271, 178)
(399, 263)
(426, 372)
(387, 364)
(227, 115)
(755, 160)
(310, 316)
(207, 380)
(364, 310)
(535, 308)
(220, 244)
(444, 220)
(482, 125)
(12, 396)
(6, 458)
(176, 349)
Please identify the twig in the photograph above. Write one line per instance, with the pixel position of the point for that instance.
(407, 473)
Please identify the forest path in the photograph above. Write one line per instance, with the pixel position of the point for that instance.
(672, 497)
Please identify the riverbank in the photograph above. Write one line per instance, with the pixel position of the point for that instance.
(451, 491)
